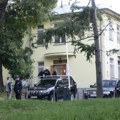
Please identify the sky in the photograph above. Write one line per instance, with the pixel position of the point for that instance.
(112, 4)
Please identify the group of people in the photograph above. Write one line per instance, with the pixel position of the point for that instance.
(19, 87)
(46, 72)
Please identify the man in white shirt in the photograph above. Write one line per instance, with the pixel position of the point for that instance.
(8, 88)
(24, 88)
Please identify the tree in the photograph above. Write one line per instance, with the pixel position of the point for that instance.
(16, 17)
(74, 26)
(97, 53)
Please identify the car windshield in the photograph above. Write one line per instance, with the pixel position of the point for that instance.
(109, 83)
(46, 83)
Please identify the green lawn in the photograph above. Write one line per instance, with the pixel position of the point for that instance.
(92, 109)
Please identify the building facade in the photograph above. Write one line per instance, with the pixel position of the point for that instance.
(110, 42)
(60, 55)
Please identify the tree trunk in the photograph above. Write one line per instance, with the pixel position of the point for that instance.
(97, 53)
(1, 76)
(3, 4)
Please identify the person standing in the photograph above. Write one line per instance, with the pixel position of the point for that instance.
(46, 72)
(24, 88)
(9, 88)
(54, 72)
(41, 73)
(18, 88)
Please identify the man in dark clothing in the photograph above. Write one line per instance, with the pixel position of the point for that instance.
(18, 88)
(54, 72)
(41, 73)
(46, 72)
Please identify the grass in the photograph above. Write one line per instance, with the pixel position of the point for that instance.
(91, 109)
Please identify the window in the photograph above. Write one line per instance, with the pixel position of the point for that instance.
(40, 66)
(118, 84)
(118, 34)
(108, 83)
(40, 35)
(61, 37)
(111, 68)
(111, 32)
(119, 70)
(60, 61)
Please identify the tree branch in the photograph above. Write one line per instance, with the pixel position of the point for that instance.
(103, 29)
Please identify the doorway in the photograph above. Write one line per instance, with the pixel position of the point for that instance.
(60, 68)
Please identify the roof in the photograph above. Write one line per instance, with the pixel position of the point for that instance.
(66, 9)
(110, 12)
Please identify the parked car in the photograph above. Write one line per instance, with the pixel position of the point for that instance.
(117, 89)
(108, 89)
(53, 88)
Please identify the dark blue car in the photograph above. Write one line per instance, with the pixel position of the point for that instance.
(108, 89)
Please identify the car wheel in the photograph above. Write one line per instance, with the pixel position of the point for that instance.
(28, 97)
(111, 94)
(52, 98)
(117, 94)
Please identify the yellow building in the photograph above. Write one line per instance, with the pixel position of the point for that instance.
(58, 54)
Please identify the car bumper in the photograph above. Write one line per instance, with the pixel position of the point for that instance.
(105, 94)
(45, 96)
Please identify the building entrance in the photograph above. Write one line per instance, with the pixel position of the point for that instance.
(60, 66)
(61, 69)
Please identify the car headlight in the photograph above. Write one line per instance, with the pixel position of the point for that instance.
(118, 88)
(106, 92)
(45, 91)
(92, 92)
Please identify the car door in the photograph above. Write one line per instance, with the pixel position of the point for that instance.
(59, 90)
(117, 89)
(62, 91)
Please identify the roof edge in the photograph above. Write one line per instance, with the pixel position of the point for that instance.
(110, 12)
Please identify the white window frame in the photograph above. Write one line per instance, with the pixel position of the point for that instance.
(111, 31)
(118, 34)
(40, 31)
(59, 39)
(40, 66)
(111, 68)
(119, 70)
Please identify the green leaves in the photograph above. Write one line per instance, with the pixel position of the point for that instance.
(75, 26)
(16, 17)
(88, 49)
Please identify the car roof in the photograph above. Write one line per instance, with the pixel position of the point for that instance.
(55, 77)
(110, 80)
(49, 78)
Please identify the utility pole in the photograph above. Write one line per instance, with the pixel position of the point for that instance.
(97, 52)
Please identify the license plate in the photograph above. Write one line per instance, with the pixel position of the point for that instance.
(33, 97)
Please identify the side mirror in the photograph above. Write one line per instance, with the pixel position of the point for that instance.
(91, 86)
(58, 85)
(35, 85)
